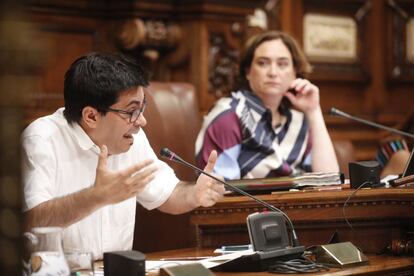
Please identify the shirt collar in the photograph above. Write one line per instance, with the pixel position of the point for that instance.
(84, 141)
(256, 104)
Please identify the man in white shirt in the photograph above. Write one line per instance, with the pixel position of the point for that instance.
(86, 165)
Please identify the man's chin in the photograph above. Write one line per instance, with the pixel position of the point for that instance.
(125, 149)
(120, 150)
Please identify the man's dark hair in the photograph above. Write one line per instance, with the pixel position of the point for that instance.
(97, 80)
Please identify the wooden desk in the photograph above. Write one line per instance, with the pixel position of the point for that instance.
(377, 216)
(379, 264)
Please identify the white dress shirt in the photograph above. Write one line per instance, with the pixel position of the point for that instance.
(60, 159)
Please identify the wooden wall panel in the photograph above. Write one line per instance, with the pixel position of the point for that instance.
(375, 98)
(86, 26)
(76, 27)
(62, 55)
(65, 39)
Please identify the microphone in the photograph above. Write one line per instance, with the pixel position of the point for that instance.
(166, 153)
(335, 112)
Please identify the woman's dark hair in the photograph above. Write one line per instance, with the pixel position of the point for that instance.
(300, 63)
(97, 80)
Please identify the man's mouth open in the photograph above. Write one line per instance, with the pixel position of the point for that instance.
(130, 138)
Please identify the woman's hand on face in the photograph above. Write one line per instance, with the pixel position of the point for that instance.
(306, 98)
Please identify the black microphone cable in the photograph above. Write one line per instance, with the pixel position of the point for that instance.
(166, 153)
(346, 202)
(297, 266)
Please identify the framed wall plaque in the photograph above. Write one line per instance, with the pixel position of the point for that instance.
(329, 38)
(410, 40)
(334, 39)
(400, 41)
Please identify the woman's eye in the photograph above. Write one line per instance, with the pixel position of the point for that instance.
(262, 62)
(283, 64)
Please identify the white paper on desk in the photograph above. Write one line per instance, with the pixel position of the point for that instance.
(388, 178)
(207, 263)
(156, 265)
(227, 251)
(215, 261)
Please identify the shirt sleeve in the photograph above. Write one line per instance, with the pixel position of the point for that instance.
(223, 135)
(387, 149)
(38, 165)
(165, 181)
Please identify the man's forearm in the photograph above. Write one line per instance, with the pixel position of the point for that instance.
(64, 211)
(181, 200)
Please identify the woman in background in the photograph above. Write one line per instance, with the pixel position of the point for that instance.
(394, 151)
(273, 125)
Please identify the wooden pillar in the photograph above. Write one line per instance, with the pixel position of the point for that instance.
(19, 65)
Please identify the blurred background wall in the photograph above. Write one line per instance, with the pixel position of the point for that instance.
(21, 58)
(362, 52)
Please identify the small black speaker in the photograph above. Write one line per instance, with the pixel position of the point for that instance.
(364, 172)
(126, 263)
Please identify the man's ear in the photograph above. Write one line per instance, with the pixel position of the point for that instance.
(90, 116)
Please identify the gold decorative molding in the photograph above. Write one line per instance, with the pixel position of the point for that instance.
(224, 210)
(152, 37)
(400, 26)
(223, 65)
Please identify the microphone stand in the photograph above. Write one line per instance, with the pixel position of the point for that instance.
(335, 112)
(166, 153)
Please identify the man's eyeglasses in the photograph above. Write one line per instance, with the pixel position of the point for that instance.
(133, 115)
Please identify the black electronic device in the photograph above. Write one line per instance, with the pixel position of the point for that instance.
(407, 177)
(409, 167)
(366, 173)
(264, 231)
(126, 263)
(269, 236)
(267, 231)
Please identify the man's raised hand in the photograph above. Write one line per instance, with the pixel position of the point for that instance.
(207, 190)
(117, 186)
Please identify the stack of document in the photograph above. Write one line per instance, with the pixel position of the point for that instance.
(210, 262)
(318, 179)
(288, 182)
